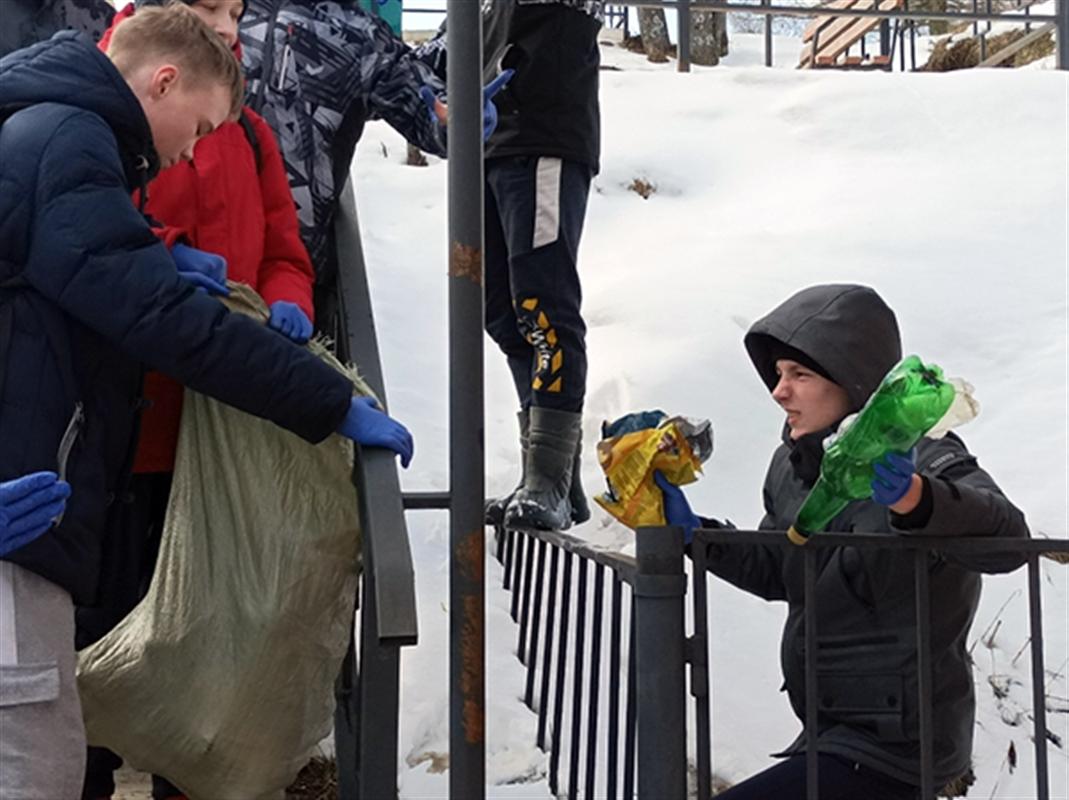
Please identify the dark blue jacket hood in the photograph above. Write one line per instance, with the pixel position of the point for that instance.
(70, 70)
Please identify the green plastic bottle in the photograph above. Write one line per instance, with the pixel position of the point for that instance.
(909, 401)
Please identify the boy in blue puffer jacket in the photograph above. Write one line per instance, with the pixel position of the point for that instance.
(88, 295)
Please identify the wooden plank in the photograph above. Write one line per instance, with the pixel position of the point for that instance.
(832, 32)
(1017, 46)
(851, 34)
(821, 21)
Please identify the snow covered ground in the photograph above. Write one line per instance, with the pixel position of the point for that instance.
(948, 193)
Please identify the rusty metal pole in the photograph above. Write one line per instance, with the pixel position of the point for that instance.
(467, 633)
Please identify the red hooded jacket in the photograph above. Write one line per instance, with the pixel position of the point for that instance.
(222, 202)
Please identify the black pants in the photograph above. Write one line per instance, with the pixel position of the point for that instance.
(839, 779)
(130, 550)
(535, 208)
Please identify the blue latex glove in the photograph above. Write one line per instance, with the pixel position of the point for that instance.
(288, 319)
(489, 109)
(676, 508)
(206, 271)
(894, 476)
(28, 505)
(368, 425)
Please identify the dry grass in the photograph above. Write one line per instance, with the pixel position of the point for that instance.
(317, 781)
(948, 55)
(642, 187)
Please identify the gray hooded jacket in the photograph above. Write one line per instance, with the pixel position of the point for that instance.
(866, 662)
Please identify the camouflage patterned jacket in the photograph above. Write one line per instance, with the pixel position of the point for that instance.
(317, 70)
(28, 21)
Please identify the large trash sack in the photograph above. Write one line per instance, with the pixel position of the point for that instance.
(222, 678)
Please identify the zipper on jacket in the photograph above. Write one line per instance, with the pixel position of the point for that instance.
(142, 189)
(287, 52)
(66, 445)
(268, 64)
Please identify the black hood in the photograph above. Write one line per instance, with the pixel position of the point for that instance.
(848, 329)
(69, 69)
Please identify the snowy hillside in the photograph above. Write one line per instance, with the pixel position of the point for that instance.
(948, 193)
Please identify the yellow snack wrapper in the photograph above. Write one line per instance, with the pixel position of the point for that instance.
(629, 460)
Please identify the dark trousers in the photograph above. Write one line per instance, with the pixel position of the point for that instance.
(839, 779)
(130, 550)
(535, 208)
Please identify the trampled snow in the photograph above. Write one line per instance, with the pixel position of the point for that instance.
(945, 192)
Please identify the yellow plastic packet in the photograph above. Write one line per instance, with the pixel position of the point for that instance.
(634, 447)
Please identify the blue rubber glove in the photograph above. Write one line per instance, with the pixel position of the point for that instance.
(894, 476)
(676, 508)
(368, 425)
(288, 319)
(28, 505)
(206, 271)
(489, 109)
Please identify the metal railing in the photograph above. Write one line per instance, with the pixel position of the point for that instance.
(552, 645)
(367, 715)
(907, 18)
(658, 651)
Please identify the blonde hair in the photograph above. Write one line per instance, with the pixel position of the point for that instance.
(174, 33)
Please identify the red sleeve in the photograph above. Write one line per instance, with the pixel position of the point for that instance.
(286, 272)
(170, 235)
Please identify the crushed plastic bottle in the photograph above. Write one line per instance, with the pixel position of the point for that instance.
(911, 400)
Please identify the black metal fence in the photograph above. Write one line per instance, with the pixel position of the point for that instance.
(645, 666)
(905, 21)
(368, 689)
(549, 575)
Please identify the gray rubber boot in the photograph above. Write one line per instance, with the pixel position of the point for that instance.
(543, 500)
(576, 495)
(495, 509)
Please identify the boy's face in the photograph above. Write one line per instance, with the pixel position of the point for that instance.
(178, 114)
(221, 16)
(811, 401)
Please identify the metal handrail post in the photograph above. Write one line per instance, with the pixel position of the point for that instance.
(467, 538)
(768, 35)
(659, 589)
(1062, 34)
(367, 690)
(683, 35)
(1039, 691)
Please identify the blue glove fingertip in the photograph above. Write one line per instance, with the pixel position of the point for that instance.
(498, 83)
(661, 481)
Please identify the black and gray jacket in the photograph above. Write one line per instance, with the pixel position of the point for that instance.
(550, 107)
(26, 22)
(866, 663)
(317, 70)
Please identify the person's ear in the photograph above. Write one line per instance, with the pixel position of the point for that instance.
(164, 80)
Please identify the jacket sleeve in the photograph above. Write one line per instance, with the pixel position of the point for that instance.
(757, 569)
(963, 500)
(94, 256)
(392, 76)
(286, 272)
(170, 235)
